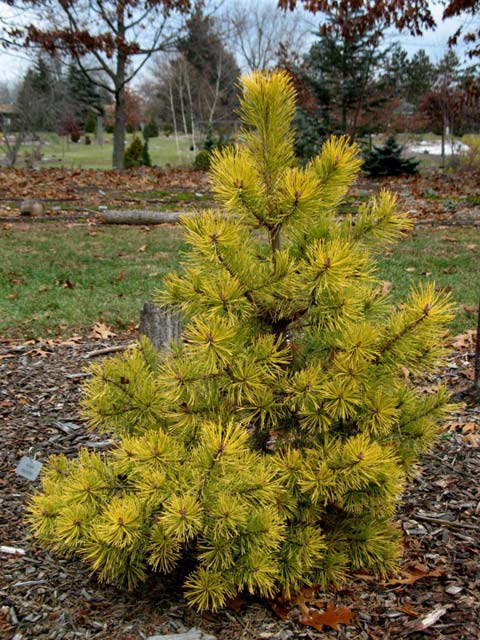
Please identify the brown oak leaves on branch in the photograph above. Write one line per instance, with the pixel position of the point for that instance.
(116, 20)
(404, 14)
(413, 16)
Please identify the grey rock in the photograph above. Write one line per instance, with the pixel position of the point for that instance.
(453, 590)
(31, 207)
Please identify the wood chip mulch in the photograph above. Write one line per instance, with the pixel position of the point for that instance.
(435, 595)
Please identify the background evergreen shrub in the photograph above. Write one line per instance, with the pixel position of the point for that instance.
(387, 160)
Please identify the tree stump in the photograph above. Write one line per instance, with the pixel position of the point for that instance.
(160, 324)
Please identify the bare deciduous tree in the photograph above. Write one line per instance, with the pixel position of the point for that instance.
(110, 41)
(261, 30)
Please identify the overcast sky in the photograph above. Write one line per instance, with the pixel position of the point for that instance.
(14, 64)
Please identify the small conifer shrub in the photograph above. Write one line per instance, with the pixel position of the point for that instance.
(150, 130)
(211, 142)
(90, 125)
(137, 154)
(387, 160)
(202, 160)
(146, 159)
(133, 153)
(269, 447)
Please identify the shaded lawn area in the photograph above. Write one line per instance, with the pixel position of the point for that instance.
(57, 279)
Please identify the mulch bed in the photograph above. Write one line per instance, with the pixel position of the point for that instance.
(42, 596)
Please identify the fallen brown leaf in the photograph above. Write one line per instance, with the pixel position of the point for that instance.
(472, 439)
(66, 284)
(386, 286)
(101, 330)
(331, 617)
(236, 603)
(414, 573)
(303, 597)
(280, 609)
(462, 340)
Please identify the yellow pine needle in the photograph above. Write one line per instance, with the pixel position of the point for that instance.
(72, 525)
(182, 517)
(165, 551)
(211, 339)
(207, 589)
(121, 524)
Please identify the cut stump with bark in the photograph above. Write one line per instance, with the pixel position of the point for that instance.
(160, 324)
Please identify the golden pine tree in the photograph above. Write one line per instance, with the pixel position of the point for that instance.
(271, 445)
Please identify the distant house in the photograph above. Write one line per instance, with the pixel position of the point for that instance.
(7, 114)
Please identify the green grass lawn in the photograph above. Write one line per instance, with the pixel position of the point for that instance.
(449, 256)
(58, 279)
(57, 152)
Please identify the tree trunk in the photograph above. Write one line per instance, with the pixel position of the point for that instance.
(476, 381)
(182, 108)
(118, 159)
(192, 116)
(444, 128)
(100, 130)
(174, 118)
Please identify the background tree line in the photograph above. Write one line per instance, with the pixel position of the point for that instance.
(348, 79)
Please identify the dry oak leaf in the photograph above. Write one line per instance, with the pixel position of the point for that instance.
(472, 439)
(281, 610)
(100, 330)
(466, 339)
(331, 617)
(236, 603)
(281, 607)
(303, 597)
(386, 286)
(414, 573)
